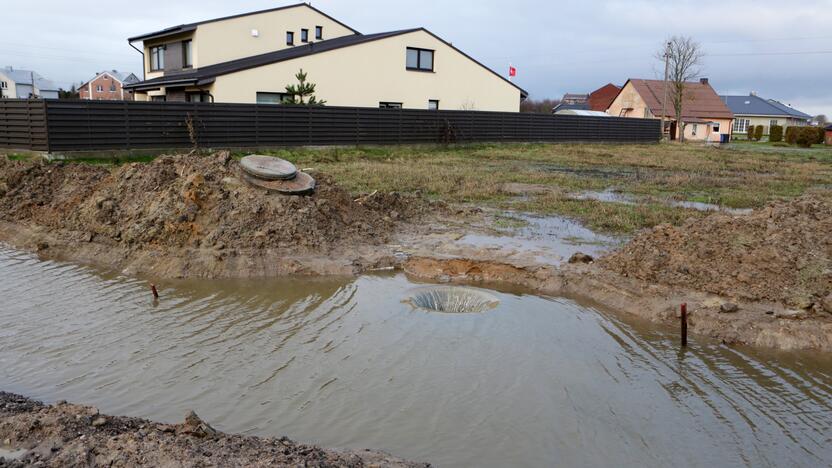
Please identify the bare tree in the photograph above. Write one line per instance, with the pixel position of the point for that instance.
(539, 106)
(820, 120)
(684, 59)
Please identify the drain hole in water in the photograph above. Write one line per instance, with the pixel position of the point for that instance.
(452, 299)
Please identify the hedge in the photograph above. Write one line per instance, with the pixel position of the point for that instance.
(775, 133)
(791, 135)
(758, 132)
(750, 133)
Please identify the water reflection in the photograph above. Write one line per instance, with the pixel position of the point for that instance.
(534, 382)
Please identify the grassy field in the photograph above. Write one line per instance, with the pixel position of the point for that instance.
(746, 175)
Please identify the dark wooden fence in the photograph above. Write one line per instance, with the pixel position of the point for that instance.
(23, 124)
(54, 125)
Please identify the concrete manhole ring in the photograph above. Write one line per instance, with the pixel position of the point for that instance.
(451, 299)
(268, 167)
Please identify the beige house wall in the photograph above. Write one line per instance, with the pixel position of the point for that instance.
(231, 39)
(765, 121)
(366, 74)
(629, 98)
(11, 90)
(221, 41)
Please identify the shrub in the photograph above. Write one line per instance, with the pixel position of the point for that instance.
(791, 135)
(821, 135)
(758, 132)
(806, 137)
(775, 133)
(750, 133)
(780, 144)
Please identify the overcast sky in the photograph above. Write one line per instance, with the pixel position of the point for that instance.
(780, 49)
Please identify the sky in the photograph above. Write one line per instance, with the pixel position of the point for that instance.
(778, 49)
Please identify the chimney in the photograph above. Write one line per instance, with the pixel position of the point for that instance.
(752, 93)
(703, 80)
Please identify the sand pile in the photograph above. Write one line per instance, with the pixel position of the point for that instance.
(190, 201)
(781, 253)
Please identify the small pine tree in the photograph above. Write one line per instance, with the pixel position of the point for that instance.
(750, 133)
(758, 133)
(302, 93)
(775, 134)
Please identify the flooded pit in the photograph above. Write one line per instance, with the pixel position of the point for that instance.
(535, 381)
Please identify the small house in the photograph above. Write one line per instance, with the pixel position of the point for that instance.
(704, 116)
(757, 111)
(25, 84)
(108, 86)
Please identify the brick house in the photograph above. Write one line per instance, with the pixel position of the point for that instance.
(108, 86)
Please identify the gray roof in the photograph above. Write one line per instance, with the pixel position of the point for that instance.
(206, 75)
(755, 105)
(124, 77)
(24, 77)
(192, 26)
(565, 106)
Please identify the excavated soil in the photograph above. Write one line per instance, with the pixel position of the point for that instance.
(67, 435)
(782, 253)
(192, 216)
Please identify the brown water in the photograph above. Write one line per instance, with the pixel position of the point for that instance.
(342, 362)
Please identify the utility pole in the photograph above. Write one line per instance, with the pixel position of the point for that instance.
(664, 98)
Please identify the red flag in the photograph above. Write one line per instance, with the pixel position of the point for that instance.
(512, 71)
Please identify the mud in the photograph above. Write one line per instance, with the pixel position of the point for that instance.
(193, 216)
(68, 435)
(782, 253)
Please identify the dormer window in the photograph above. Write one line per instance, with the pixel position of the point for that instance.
(304, 35)
(419, 59)
(290, 38)
(319, 33)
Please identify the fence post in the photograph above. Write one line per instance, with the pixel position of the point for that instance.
(45, 111)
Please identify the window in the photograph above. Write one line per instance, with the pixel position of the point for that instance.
(433, 104)
(198, 97)
(157, 58)
(187, 54)
(270, 98)
(741, 125)
(319, 32)
(4, 84)
(693, 129)
(715, 128)
(113, 88)
(290, 38)
(772, 123)
(99, 88)
(158, 98)
(419, 59)
(390, 105)
(304, 35)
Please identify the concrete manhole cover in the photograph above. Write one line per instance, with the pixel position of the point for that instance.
(451, 299)
(302, 184)
(268, 167)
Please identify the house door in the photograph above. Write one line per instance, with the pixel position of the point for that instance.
(673, 130)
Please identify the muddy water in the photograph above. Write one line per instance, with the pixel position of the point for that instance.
(533, 382)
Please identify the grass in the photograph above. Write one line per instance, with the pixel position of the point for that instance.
(742, 176)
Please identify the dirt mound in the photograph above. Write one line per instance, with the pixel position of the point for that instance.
(190, 201)
(781, 253)
(72, 435)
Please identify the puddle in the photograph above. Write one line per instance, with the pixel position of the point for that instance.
(549, 239)
(611, 196)
(342, 362)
